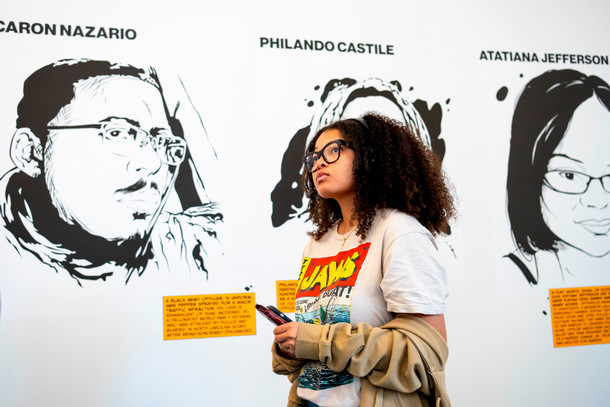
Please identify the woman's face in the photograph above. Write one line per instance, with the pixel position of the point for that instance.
(581, 220)
(335, 180)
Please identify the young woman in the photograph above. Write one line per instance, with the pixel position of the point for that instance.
(371, 293)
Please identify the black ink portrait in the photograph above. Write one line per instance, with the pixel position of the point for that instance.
(558, 183)
(97, 153)
(346, 98)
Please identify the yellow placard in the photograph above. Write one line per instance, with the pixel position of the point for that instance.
(285, 291)
(206, 316)
(581, 316)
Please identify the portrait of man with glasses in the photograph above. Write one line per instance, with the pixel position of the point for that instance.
(97, 155)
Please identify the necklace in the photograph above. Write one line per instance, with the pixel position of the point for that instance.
(346, 237)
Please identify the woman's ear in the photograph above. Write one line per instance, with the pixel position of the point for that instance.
(26, 152)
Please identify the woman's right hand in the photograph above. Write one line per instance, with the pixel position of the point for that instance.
(286, 338)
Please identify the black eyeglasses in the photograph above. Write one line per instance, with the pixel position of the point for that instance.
(572, 182)
(128, 140)
(330, 153)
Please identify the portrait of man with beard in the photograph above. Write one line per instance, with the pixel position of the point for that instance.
(97, 155)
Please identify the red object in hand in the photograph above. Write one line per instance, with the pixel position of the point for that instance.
(270, 315)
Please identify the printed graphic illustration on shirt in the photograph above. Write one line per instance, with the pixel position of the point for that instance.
(341, 99)
(100, 149)
(558, 183)
(323, 296)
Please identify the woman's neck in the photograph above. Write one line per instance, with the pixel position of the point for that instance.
(345, 226)
(347, 223)
(574, 261)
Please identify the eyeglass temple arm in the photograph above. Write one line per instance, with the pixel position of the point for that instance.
(80, 126)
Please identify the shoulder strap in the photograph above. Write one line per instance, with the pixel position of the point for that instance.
(526, 272)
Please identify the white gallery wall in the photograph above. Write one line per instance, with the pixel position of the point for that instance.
(81, 325)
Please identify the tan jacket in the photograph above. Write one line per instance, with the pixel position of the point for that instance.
(390, 360)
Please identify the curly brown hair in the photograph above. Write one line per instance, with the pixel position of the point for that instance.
(393, 169)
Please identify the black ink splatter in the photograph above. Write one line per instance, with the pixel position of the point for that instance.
(501, 94)
(432, 118)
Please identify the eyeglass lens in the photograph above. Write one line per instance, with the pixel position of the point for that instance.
(330, 153)
(127, 141)
(571, 182)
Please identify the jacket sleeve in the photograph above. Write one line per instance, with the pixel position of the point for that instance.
(386, 355)
(290, 367)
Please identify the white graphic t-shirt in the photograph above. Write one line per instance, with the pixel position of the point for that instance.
(396, 269)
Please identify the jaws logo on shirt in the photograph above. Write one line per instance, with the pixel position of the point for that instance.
(321, 274)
